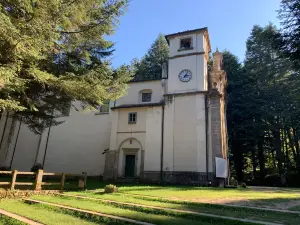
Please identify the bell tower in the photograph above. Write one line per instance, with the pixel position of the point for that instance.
(185, 156)
(188, 61)
(194, 119)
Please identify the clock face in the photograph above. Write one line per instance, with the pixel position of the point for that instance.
(185, 75)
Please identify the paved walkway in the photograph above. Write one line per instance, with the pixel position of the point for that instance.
(20, 218)
(89, 212)
(173, 210)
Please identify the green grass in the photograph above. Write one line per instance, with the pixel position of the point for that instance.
(9, 221)
(295, 208)
(42, 214)
(190, 193)
(139, 213)
(251, 197)
(254, 214)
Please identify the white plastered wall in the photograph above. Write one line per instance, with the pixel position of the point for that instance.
(194, 63)
(75, 146)
(145, 135)
(132, 96)
(185, 139)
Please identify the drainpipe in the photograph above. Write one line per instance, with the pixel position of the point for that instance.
(206, 133)
(162, 145)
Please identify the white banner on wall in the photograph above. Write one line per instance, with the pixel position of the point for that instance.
(221, 168)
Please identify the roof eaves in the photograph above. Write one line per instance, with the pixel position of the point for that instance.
(185, 32)
(138, 105)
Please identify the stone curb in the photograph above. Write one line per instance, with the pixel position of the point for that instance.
(19, 218)
(174, 210)
(89, 212)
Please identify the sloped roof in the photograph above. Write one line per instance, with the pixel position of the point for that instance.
(186, 32)
(139, 105)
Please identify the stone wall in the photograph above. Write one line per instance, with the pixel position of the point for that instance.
(177, 177)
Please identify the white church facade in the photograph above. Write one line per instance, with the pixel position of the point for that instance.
(171, 129)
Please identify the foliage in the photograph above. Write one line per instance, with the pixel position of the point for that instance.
(289, 42)
(243, 185)
(50, 56)
(110, 189)
(151, 65)
(262, 111)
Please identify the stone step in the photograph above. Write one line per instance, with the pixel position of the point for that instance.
(128, 180)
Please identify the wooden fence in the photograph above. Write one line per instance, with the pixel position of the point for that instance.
(38, 183)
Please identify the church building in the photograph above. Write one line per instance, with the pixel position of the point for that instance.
(171, 129)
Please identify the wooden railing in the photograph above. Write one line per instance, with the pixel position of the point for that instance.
(38, 183)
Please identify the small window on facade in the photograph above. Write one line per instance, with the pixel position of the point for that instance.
(146, 97)
(186, 43)
(132, 117)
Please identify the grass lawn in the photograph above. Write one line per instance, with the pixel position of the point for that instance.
(8, 221)
(198, 199)
(279, 198)
(138, 213)
(42, 214)
(253, 214)
(295, 208)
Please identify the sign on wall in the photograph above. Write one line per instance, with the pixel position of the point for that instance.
(221, 168)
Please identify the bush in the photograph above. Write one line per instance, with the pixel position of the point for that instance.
(36, 167)
(243, 185)
(110, 189)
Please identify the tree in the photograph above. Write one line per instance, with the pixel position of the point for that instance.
(151, 65)
(233, 69)
(288, 40)
(50, 56)
(289, 14)
(262, 112)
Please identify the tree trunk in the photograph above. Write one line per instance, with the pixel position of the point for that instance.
(7, 144)
(254, 164)
(261, 157)
(279, 158)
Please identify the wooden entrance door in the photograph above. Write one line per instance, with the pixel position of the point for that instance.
(129, 165)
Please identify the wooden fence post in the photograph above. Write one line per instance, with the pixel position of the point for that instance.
(38, 180)
(13, 180)
(84, 178)
(82, 181)
(62, 181)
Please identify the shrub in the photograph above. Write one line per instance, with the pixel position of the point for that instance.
(110, 189)
(36, 167)
(243, 185)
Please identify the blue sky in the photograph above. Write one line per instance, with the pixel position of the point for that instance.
(229, 23)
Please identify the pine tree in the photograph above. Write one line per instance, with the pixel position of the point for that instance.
(289, 14)
(151, 65)
(262, 110)
(53, 52)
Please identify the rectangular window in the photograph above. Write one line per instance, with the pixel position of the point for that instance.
(186, 43)
(146, 97)
(132, 117)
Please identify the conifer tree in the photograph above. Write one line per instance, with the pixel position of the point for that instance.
(151, 65)
(54, 52)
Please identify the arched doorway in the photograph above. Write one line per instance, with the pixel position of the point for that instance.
(130, 158)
